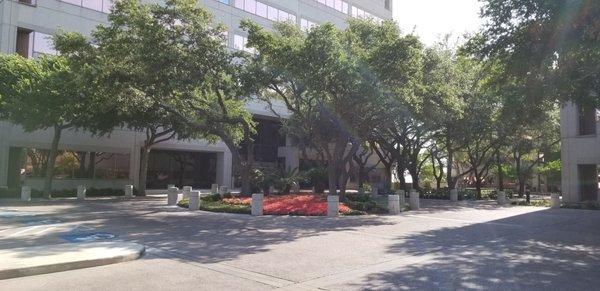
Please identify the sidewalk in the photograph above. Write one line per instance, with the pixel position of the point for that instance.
(28, 261)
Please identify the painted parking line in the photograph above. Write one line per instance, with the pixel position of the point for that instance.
(27, 229)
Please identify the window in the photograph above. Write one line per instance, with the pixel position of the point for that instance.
(264, 10)
(587, 120)
(92, 4)
(239, 4)
(28, 2)
(360, 13)
(240, 43)
(273, 13)
(98, 5)
(250, 6)
(226, 2)
(306, 24)
(387, 4)
(261, 9)
(339, 5)
(42, 44)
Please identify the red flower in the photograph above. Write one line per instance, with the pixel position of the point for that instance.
(293, 204)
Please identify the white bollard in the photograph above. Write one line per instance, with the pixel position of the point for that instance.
(453, 195)
(223, 190)
(296, 188)
(394, 204)
(172, 195)
(333, 205)
(81, 192)
(257, 204)
(555, 200)
(194, 200)
(25, 193)
(128, 191)
(186, 192)
(214, 188)
(501, 198)
(414, 200)
(402, 199)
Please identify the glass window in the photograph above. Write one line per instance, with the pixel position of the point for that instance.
(329, 3)
(273, 13)
(338, 5)
(250, 6)
(42, 44)
(92, 4)
(283, 16)
(239, 4)
(107, 5)
(238, 42)
(224, 1)
(292, 17)
(345, 7)
(261, 9)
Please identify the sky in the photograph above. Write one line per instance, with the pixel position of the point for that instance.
(432, 19)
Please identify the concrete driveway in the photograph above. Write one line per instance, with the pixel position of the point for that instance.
(465, 246)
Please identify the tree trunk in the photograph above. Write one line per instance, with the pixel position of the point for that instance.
(143, 174)
(478, 187)
(415, 178)
(332, 176)
(519, 176)
(51, 162)
(245, 169)
(449, 179)
(500, 172)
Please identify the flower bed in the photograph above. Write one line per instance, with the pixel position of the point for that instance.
(293, 204)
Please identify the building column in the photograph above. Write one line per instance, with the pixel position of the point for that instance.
(224, 169)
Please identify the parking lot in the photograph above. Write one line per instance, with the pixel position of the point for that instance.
(468, 245)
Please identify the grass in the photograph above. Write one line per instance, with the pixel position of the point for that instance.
(539, 203)
(218, 206)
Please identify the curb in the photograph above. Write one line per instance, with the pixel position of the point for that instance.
(134, 251)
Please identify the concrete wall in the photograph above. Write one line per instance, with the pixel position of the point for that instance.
(575, 150)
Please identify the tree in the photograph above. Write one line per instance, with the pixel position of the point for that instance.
(329, 81)
(45, 93)
(552, 45)
(158, 65)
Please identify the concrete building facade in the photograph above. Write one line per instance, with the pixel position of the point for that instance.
(580, 153)
(25, 27)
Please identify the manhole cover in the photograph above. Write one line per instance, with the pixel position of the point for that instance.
(88, 236)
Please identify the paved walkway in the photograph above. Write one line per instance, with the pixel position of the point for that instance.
(467, 246)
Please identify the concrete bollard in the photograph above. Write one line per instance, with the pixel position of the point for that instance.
(414, 200)
(296, 188)
(172, 195)
(501, 198)
(333, 205)
(214, 188)
(257, 204)
(128, 191)
(186, 192)
(402, 199)
(223, 190)
(81, 192)
(555, 200)
(25, 193)
(453, 195)
(194, 200)
(394, 204)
